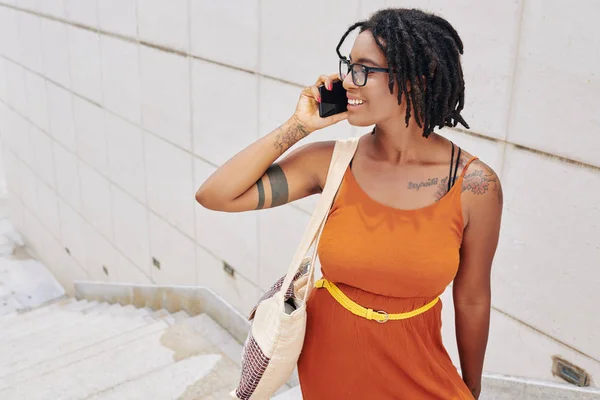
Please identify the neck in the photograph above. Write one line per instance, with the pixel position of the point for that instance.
(398, 144)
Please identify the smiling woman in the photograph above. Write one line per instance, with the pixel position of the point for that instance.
(413, 213)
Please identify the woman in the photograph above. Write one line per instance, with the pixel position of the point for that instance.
(414, 213)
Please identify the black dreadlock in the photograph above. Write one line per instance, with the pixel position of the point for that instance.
(420, 45)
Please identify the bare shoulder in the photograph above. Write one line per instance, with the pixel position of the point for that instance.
(314, 157)
(481, 184)
(322, 153)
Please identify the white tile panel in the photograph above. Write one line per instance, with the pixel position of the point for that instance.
(224, 111)
(166, 96)
(226, 34)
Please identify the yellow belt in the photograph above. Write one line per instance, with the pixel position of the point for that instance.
(369, 313)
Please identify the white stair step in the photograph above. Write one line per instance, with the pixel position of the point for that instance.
(38, 313)
(31, 326)
(159, 314)
(124, 310)
(75, 318)
(8, 316)
(44, 348)
(92, 369)
(47, 321)
(98, 307)
(144, 311)
(179, 316)
(214, 333)
(24, 316)
(76, 305)
(132, 311)
(32, 339)
(291, 394)
(164, 384)
(113, 309)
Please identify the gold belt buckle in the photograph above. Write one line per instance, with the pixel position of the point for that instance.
(387, 317)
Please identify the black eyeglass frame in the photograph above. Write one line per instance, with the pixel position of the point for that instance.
(366, 68)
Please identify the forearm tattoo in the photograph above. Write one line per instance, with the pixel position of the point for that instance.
(287, 138)
(279, 187)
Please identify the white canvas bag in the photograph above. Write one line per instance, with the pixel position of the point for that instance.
(276, 337)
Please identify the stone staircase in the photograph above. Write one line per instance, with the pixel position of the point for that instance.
(73, 349)
(78, 349)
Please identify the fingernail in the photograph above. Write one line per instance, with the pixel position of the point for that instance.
(319, 99)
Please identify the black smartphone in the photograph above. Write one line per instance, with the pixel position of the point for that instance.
(332, 101)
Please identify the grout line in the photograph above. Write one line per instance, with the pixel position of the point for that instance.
(556, 157)
(545, 334)
(144, 148)
(192, 142)
(513, 83)
(111, 186)
(137, 21)
(257, 217)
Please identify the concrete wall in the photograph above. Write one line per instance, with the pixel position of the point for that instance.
(113, 112)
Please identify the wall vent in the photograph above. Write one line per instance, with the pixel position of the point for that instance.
(569, 372)
(228, 269)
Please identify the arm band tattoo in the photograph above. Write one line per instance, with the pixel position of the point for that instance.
(279, 185)
(261, 194)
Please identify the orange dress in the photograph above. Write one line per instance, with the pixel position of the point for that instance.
(392, 260)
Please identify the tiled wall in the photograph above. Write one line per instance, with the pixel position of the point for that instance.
(113, 112)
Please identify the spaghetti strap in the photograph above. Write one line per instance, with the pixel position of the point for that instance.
(467, 166)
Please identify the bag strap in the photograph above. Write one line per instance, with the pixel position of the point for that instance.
(342, 154)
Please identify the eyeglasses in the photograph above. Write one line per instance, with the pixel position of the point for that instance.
(360, 72)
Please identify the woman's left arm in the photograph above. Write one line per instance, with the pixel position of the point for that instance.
(472, 288)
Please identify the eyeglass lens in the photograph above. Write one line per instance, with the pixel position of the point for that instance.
(359, 74)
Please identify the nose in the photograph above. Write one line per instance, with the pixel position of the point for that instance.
(348, 83)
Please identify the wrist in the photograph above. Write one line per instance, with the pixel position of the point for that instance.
(300, 126)
(288, 134)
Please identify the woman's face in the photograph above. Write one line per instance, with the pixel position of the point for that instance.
(378, 104)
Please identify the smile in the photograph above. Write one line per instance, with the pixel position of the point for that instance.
(355, 102)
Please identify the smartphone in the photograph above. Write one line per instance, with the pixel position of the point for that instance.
(333, 101)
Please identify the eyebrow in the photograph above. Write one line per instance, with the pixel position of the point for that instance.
(365, 60)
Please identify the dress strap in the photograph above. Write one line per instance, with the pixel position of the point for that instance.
(467, 166)
(453, 167)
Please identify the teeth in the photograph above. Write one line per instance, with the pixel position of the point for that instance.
(355, 102)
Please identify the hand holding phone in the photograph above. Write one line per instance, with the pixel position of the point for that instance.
(333, 101)
(319, 107)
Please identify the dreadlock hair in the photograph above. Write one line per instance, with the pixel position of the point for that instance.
(422, 49)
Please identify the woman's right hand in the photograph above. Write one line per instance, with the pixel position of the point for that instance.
(307, 110)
